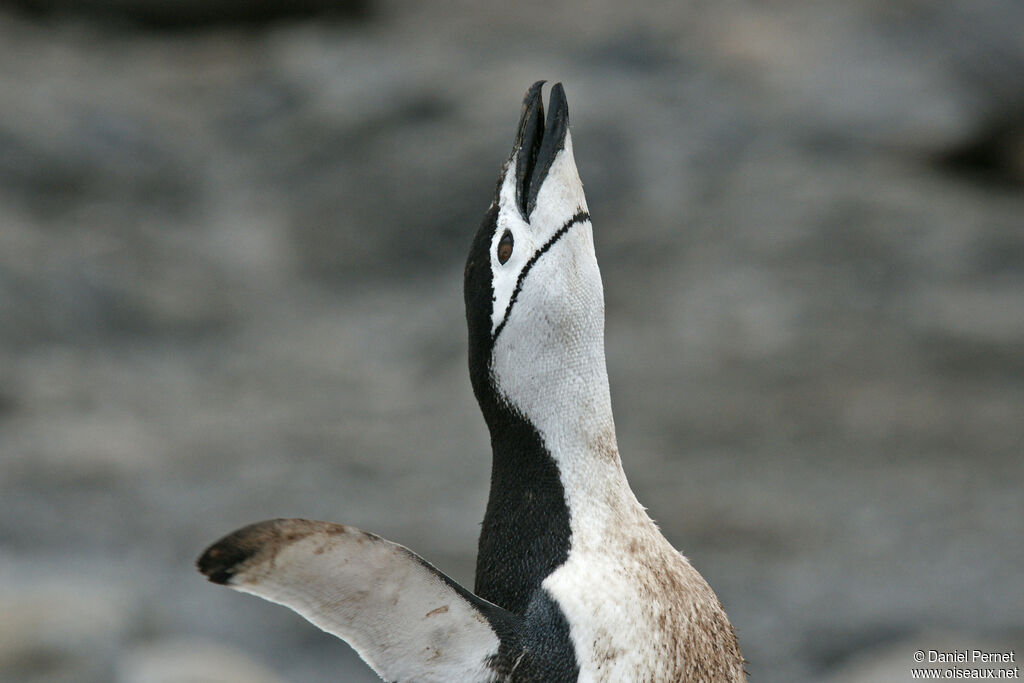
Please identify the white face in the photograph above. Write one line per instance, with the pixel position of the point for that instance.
(548, 309)
(541, 239)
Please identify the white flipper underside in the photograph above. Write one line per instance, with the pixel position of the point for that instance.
(402, 616)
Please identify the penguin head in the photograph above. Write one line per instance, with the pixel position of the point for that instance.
(534, 301)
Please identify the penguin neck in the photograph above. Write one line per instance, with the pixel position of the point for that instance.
(575, 431)
(569, 406)
(555, 467)
(572, 414)
(564, 397)
(551, 370)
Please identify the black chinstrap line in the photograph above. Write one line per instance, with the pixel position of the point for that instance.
(580, 217)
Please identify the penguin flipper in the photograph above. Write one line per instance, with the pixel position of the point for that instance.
(405, 618)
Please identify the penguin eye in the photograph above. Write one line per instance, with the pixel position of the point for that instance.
(505, 245)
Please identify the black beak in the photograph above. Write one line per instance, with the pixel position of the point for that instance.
(538, 143)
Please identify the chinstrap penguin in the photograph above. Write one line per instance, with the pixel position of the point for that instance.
(574, 582)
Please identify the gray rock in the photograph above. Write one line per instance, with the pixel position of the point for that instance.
(191, 661)
(58, 631)
(192, 14)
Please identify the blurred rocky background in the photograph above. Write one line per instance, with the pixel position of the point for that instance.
(231, 247)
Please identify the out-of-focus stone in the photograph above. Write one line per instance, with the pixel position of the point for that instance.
(191, 661)
(196, 13)
(60, 632)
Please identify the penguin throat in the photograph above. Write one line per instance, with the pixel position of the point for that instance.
(543, 470)
(526, 532)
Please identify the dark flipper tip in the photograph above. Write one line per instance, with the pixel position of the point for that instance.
(219, 563)
(223, 560)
